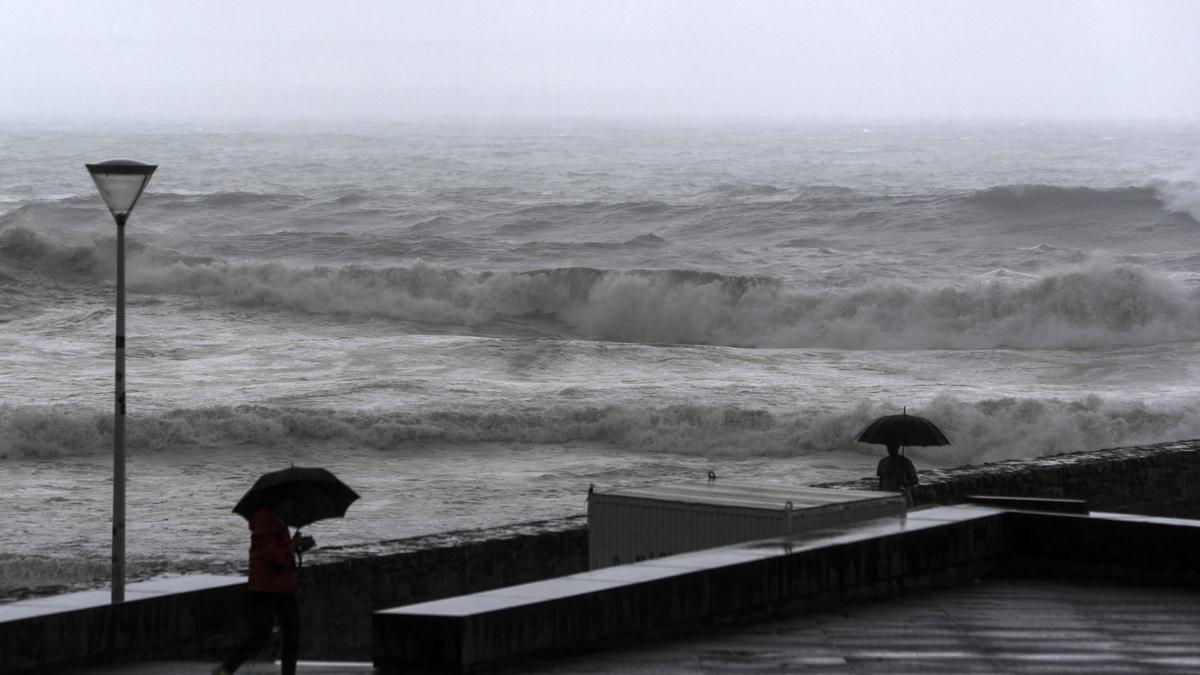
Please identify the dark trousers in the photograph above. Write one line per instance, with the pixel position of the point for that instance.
(264, 609)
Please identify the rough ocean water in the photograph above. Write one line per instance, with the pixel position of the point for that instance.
(470, 323)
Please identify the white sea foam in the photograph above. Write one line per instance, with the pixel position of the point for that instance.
(1098, 304)
(1180, 193)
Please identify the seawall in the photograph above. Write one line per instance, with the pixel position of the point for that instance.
(1154, 480)
(340, 592)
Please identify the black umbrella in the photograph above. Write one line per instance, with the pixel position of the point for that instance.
(903, 429)
(298, 495)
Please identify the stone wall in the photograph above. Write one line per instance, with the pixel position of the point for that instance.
(338, 596)
(1156, 480)
(89, 630)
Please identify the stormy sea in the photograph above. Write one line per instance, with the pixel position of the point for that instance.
(470, 323)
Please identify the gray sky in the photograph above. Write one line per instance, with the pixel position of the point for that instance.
(382, 60)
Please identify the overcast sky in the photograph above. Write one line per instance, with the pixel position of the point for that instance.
(384, 60)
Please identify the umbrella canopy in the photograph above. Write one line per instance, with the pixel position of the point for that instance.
(299, 495)
(903, 429)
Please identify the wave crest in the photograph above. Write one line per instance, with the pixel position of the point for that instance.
(1180, 195)
(981, 430)
(239, 199)
(1094, 305)
(1036, 196)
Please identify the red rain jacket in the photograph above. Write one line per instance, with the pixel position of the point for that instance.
(272, 559)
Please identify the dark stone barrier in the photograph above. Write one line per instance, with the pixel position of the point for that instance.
(1155, 480)
(338, 597)
(171, 624)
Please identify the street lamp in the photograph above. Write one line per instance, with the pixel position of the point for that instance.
(120, 182)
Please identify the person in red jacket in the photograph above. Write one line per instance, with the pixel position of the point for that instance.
(273, 583)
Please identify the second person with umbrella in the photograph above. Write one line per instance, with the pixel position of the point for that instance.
(896, 472)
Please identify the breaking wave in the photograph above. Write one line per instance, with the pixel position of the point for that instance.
(1097, 304)
(1180, 195)
(1025, 196)
(981, 430)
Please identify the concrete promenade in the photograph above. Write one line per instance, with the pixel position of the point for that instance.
(1152, 557)
(1000, 626)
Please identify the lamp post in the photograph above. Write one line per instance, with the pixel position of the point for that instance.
(120, 182)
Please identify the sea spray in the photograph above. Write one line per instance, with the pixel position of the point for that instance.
(1180, 193)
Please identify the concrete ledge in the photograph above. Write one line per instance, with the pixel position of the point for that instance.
(1031, 504)
(682, 594)
(338, 597)
(202, 615)
(178, 616)
(678, 594)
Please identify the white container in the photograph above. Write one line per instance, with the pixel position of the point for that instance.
(635, 524)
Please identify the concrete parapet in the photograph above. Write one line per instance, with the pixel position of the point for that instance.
(202, 616)
(338, 597)
(682, 594)
(183, 616)
(679, 594)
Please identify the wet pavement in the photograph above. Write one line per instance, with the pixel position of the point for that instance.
(1022, 626)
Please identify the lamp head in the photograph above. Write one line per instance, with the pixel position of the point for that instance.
(121, 182)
